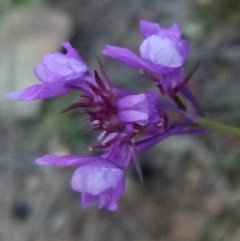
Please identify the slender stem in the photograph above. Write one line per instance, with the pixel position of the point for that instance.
(218, 127)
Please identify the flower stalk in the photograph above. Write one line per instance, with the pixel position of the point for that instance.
(218, 127)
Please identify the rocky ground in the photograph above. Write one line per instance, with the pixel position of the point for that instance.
(191, 185)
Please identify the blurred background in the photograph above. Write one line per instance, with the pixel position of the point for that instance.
(191, 188)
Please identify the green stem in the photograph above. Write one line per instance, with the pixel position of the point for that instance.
(218, 127)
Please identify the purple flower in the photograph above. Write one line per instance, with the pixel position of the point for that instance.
(162, 52)
(110, 109)
(97, 178)
(138, 108)
(129, 122)
(58, 74)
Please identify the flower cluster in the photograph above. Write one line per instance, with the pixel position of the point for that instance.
(128, 122)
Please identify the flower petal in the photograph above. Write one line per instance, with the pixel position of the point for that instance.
(130, 116)
(149, 28)
(127, 57)
(75, 160)
(109, 197)
(153, 140)
(124, 55)
(68, 160)
(45, 75)
(88, 199)
(128, 102)
(162, 52)
(71, 52)
(172, 80)
(119, 154)
(105, 184)
(39, 91)
(174, 31)
(63, 67)
(94, 179)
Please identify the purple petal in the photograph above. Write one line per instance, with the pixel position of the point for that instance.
(75, 160)
(149, 28)
(88, 199)
(185, 47)
(45, 75)
(130, 116)
(81, 84)
(167, 105)
(63, 67)
(174, 31)
(128, 102)
(163, 52)
(109, 197)
(71, 52)
(124, 55)
(153, 140)
(132, 60)
(94, 179)
(141, 107)
(152, 99)
(69, 160)
(122, 93)
(39, 91)
(119, 154)
(172, 80)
